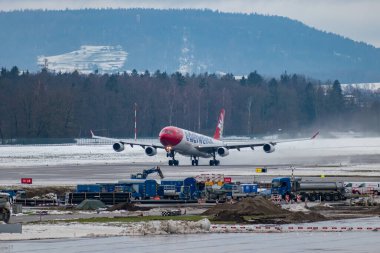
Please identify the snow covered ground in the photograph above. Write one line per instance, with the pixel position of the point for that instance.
(80, 230)
(78, 164)
(336, 152)
(76, 230)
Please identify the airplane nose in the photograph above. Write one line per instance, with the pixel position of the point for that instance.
(170, 137)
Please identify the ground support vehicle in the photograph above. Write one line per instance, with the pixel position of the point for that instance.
(145, 173)
(290, 189)
(183, 189)
(231, 191)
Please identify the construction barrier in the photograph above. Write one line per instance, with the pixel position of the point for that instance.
(276, 198)
(203, 178)
(284, 229)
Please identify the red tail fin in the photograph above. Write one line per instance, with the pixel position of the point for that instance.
(219, 128)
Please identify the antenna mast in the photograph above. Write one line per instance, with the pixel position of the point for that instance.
(135, 121)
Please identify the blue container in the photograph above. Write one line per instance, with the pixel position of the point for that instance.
(178, 188)
(150, 190)
(249, 188)
(88, 188)
(107, 187)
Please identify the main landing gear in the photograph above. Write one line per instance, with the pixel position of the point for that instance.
(173, 161)
(214, 162)
(194, 161)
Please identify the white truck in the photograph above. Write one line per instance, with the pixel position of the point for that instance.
(367, 188)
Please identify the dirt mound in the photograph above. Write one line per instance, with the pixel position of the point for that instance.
(259, 210)
(128, 207)
(228, 215)
(248, 206)
(299, 217)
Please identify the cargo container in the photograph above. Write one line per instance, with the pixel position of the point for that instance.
(141, 188)
(172, 188)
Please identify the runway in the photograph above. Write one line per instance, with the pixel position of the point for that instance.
(82, 174)
(350, 159)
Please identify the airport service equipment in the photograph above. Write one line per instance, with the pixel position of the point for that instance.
(231, 190)
(141, 188)
(145, 173)
(5, 207)
(367, 188)
(328, 191)
(108, 198)
(172, 188)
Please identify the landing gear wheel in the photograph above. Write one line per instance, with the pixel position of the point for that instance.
(175, 162)
(170, 162)
(194, 161)
(214, 162)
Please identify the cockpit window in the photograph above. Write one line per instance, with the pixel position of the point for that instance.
(167, 131)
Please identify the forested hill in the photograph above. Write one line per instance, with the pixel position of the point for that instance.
(45, 104)
(195, 41)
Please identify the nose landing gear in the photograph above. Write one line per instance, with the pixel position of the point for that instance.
(173, 161)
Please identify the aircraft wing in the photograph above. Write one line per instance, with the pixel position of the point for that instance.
(246, 144)
(125, 142)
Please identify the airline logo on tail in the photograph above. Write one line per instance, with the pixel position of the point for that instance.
(219, 128)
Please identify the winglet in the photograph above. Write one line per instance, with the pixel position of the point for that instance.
(92, 134)
(315, 135)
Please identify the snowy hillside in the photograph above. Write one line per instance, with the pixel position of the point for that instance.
(88, 59)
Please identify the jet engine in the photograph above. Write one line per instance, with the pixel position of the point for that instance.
(150, 151)
(223, 151)
(268, 148)
(118, 147)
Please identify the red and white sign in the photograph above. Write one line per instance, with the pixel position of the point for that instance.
(26, 180)
(227, 180)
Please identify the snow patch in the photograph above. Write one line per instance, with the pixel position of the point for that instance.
(77, 230)
(88, 59)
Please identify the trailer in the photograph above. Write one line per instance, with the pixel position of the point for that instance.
(108, 198)
(316, 190)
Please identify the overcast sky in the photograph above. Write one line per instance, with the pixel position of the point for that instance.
(356, 19)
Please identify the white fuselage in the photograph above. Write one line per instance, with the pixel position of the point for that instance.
(191, 140)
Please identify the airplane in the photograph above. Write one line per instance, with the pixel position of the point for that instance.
(187, 143)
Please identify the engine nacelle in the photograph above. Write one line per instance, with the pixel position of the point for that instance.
(269, 148)
(223, 151)
(118, 147)
(150, 151)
